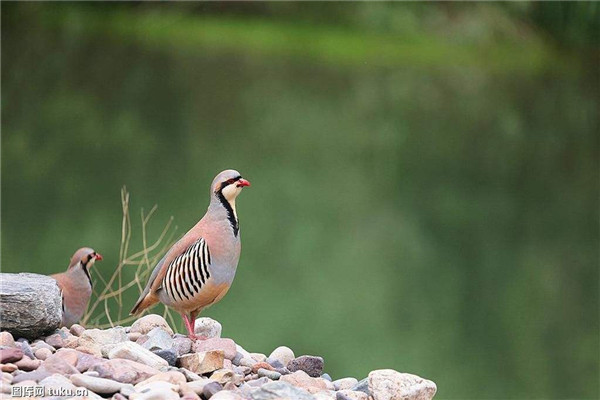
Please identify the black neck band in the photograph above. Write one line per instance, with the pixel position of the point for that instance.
(230, 214)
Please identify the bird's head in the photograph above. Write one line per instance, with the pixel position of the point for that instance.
(86, 257)
(229, 184)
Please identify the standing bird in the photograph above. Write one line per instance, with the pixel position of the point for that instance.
(199, 269)
(76, 285)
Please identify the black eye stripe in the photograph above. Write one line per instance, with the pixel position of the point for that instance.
(230, 181)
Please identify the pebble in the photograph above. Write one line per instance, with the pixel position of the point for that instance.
(134, 352)
(274, 375)
(110, 362)
(93, 340)
(95, 384)
(149, 322)
(210, 389)
(226, 395)
(28, 364)
(35, 376)
(282, 354)
(174, 377)
(207, 328)
(226, 345)
(8, 367)
(279, 389)
(61, 363)
(58, 382)
(182, 345)
(55, 341)
(6, 339)
(39, 344)
(247, 362)
(125, 371)
(345, 383)
(203, 362)
(189, 375)
(224, 376)
(170, 356)
(262, 365)
(158, 339)
(10, 354)
(351, 395)
(156, 391)
(387, 384)
(312, 365)
(258, 357)
(7, 377)
(76, 330)
(362, 386)
(303, 380)
(23, 344)
(198, 386)
(242, 370)
(274, 363)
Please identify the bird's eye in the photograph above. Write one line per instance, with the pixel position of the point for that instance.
(230, 181)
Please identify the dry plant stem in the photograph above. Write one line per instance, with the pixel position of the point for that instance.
(143, 260)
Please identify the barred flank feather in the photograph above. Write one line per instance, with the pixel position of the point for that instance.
(188, 272)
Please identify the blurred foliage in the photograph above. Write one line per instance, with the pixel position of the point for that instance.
(425, 176)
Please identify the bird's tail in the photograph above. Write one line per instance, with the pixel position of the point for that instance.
(143, 303)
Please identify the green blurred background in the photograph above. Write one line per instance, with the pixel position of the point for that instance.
(424, 176)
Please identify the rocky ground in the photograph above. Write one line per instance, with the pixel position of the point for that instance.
(147, 361)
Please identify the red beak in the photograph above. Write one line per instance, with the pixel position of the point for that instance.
(242, 182)
(98, 257)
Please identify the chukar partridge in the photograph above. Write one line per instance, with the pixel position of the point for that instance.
(198, 270)
(76, 285)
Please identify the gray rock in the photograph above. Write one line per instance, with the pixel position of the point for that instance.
(275, 363)
(189, 375)
(210, 389)
(274, 375)
(326, 377)
(362, 386)
(97, 385)
(182, 345)
(23, 344)
(242, 370)
(258, 382)
(168, 355)
(345, 383)
(312, 365)
(207, 328)
(283, 371)
(247, 362)
(387, 384)
(30, 304)
(282, 354)
(158, 339)
(279, 389)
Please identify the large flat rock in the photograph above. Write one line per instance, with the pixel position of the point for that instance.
(30, 304)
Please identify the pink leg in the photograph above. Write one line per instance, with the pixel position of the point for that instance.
(189, 326)
(193, 315)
